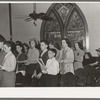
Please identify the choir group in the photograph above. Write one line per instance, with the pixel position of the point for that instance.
(43, 64)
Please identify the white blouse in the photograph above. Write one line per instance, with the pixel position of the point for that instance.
(67, 55)
(52, 66)
(9, 62)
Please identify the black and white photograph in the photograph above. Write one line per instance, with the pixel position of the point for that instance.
(49, 44)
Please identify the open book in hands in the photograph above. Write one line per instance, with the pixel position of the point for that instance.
(41, 63)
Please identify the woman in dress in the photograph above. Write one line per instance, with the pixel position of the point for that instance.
(66, 60)
(33, 55)
(21, 58)
(78, 54)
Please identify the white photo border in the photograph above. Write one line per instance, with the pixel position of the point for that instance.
(59, 92)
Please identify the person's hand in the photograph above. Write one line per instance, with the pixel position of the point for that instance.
(94, 64)
(91, 64)
(43, 68)
(34, 75)
(97, 68)
(39, 75)
(45, 72)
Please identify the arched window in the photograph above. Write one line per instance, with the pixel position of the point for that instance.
(68, 22)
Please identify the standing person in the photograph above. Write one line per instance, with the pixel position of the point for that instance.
(8, 67)
(2, 55)
(51, 69)
(78, 56)
(21, 58)
(44, 56)
(52, 44)
(33, 55)
(66, 60)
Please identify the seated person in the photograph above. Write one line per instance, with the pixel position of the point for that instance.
(88, 59)
(96, 64)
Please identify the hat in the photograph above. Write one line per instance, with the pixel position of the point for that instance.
(98, 49)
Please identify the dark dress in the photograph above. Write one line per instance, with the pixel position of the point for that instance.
(20, 68)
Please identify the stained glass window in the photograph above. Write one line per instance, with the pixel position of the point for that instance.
(52, 29)
(76, 29)
(68, 21)
(63, 10)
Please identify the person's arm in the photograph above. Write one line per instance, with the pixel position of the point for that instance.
(93, 64)
(39, 75)
(24, 61)
(79, 60)
(23, 58)
(36, 55)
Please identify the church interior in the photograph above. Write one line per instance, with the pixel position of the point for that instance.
(54, 21)
(25, 30)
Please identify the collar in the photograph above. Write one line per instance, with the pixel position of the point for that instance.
(33, 48)
(8, 54)
(43, 52)
(66, 48)
(52, 59)
(19, 54)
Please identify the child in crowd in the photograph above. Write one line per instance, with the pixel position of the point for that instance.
(51, 69)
